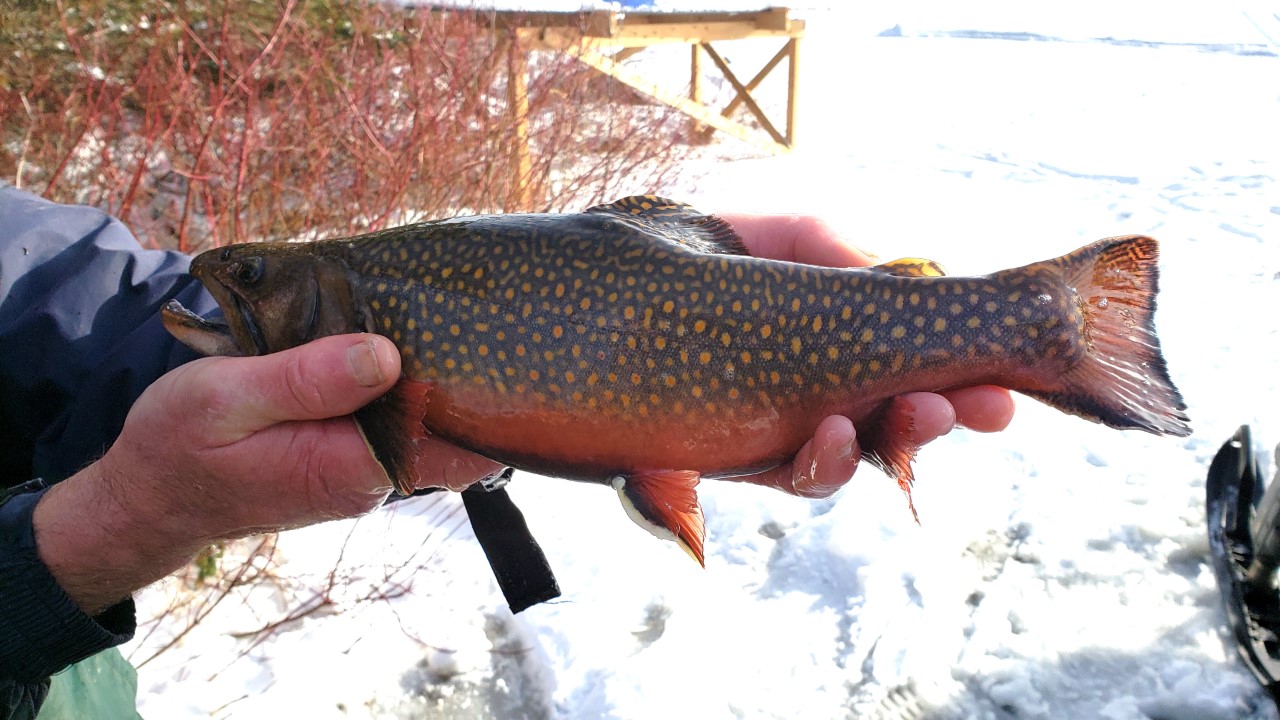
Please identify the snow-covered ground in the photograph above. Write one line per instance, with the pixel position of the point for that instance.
(1061, 567)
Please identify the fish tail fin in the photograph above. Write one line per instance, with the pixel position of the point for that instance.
(1122, 379)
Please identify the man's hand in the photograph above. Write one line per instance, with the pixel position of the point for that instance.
(219, 448)
(827, 461)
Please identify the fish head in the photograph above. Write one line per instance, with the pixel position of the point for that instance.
(278, 295)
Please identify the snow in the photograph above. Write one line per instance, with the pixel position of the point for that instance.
(1061, 568)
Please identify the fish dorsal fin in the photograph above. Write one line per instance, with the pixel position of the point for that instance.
(665, 502)
(910, 267)
(677, 222)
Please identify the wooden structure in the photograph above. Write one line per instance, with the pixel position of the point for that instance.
(603, 39)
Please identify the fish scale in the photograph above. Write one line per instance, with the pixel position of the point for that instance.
(638, 344)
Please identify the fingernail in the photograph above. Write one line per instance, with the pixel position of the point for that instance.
(363, 358)
(845, 451)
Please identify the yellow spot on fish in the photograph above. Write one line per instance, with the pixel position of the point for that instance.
(973, 322)
(704, 357)
(726, 339)
(867, 335)
(660, 343)
(898, 332)
(833, 352)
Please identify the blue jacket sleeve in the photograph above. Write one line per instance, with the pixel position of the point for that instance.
(80, 339)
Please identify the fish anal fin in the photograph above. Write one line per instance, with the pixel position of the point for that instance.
(392, 428)
(910, 267)
(1121, 380)
(665, 502)
(886, 440)
(677, 222)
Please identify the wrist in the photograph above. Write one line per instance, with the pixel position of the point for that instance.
(99, 544)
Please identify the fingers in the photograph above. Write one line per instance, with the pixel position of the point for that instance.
(930, 416)
(326, 378)
(821, 467)
(985, 408)
(795, 238)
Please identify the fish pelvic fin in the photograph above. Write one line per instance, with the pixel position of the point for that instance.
(885, 439)
(392, 428)
(665, 502)
(1122, 379)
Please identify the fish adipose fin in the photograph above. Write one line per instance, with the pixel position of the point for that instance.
(392, 427)
(665, 502)
(679, 223)
(910, 267)
(1122, 380)
(886, 443)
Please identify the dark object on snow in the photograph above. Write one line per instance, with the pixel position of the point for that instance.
(1244, 542)
(518, 563)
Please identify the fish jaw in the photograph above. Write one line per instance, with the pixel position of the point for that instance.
(203, 336)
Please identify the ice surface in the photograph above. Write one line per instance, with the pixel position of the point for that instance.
(1061, 567)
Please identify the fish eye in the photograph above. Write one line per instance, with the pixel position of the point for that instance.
(225, 255)
(249, 270)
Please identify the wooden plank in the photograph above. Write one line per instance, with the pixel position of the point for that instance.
(755, 81)
(607, 66)
(518, 104)
(793, 86)
(646, 37)
(744, 94)
(695, 88)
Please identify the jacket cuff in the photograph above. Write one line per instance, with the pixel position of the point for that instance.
(42, 630)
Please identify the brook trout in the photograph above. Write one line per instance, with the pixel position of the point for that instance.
(639, 345)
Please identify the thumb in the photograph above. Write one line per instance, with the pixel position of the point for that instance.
(326, 378)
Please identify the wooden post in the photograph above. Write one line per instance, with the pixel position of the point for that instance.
(518, 104)
(696, 129)
(793, 81)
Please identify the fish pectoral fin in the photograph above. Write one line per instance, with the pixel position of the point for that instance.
(678, 223)
(665, 502)
(203, 336)
(910, 267)
(392, 428)
(886, 443)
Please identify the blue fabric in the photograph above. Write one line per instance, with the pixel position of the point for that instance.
(80, 339)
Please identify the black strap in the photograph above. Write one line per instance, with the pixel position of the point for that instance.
(518, 563)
